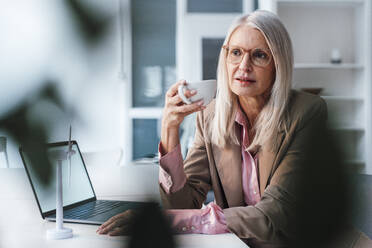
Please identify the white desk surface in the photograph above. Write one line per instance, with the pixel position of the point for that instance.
(21, 224)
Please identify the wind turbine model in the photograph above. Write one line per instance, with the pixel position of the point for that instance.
(4, 150)
(61, 232)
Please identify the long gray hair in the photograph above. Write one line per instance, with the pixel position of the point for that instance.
(273, 116)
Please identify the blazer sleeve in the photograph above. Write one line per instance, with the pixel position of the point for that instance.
(271, 219)
(198, 181)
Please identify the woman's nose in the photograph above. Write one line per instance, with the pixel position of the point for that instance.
(246, 64)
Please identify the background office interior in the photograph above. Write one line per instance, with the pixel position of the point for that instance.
(114, 89)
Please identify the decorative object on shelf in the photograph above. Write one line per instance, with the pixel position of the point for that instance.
(4, 150)
(336, 56)
(151, 78)
(314, 91)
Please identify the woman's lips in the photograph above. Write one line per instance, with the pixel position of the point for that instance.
(245, 80)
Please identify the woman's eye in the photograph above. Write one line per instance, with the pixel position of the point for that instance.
(260, 55)
(236, 52)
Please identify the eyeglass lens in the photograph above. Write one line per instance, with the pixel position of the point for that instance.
(257, 56)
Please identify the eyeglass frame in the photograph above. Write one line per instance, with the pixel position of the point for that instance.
(248, 51)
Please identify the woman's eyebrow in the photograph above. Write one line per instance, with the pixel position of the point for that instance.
(266, 48)
(263, 48)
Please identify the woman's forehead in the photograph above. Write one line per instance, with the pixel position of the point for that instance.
(248, 37)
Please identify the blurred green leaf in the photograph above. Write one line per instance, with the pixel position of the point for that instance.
(32, 135)
(91, 25)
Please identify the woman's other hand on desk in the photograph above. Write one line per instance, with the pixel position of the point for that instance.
(147, 227)
(175, 110)
(119, 224)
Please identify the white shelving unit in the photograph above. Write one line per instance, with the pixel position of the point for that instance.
(191, 28)
(328, 66)
(342, 98)
(316, 28)
(143, 115)
(322, 1)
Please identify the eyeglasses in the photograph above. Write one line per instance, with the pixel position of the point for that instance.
(257, 56)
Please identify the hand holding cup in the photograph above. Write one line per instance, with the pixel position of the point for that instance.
(179, 105)
(205, 90)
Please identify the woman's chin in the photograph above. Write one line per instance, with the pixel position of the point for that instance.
(246, 90)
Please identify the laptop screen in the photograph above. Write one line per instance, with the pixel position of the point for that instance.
(76, 185)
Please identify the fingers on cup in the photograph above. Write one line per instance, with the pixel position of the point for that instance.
(176, 99)
(189, 93)
(196, 106)
(173, 90)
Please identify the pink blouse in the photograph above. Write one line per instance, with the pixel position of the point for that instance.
(210, 219)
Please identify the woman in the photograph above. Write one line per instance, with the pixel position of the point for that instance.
(250, 142)
(241, 143)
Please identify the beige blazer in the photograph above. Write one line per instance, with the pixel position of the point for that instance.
(209, 166)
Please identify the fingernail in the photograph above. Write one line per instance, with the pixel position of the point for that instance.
(201, 102)
(193, 92)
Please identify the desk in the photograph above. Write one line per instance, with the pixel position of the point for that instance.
(22, 226)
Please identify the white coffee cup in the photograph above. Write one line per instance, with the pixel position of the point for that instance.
(205, 90)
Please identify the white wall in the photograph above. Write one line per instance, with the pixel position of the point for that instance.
(39, 40)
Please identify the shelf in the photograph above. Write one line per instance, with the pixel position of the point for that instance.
(343, 98)
(355, 161)
(327, 66)
(346, 128)
(355, 165)
(145, 113)
(345, 86)
(325, 2)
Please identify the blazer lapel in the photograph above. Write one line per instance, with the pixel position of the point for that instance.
(229, 167)
(267, 163)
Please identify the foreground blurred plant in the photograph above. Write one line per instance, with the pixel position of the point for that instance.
(32, 134)
(26, 125)
(29, 125)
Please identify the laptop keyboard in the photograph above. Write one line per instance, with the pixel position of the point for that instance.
(91, 209)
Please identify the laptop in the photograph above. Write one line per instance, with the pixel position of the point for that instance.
(80, 204)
